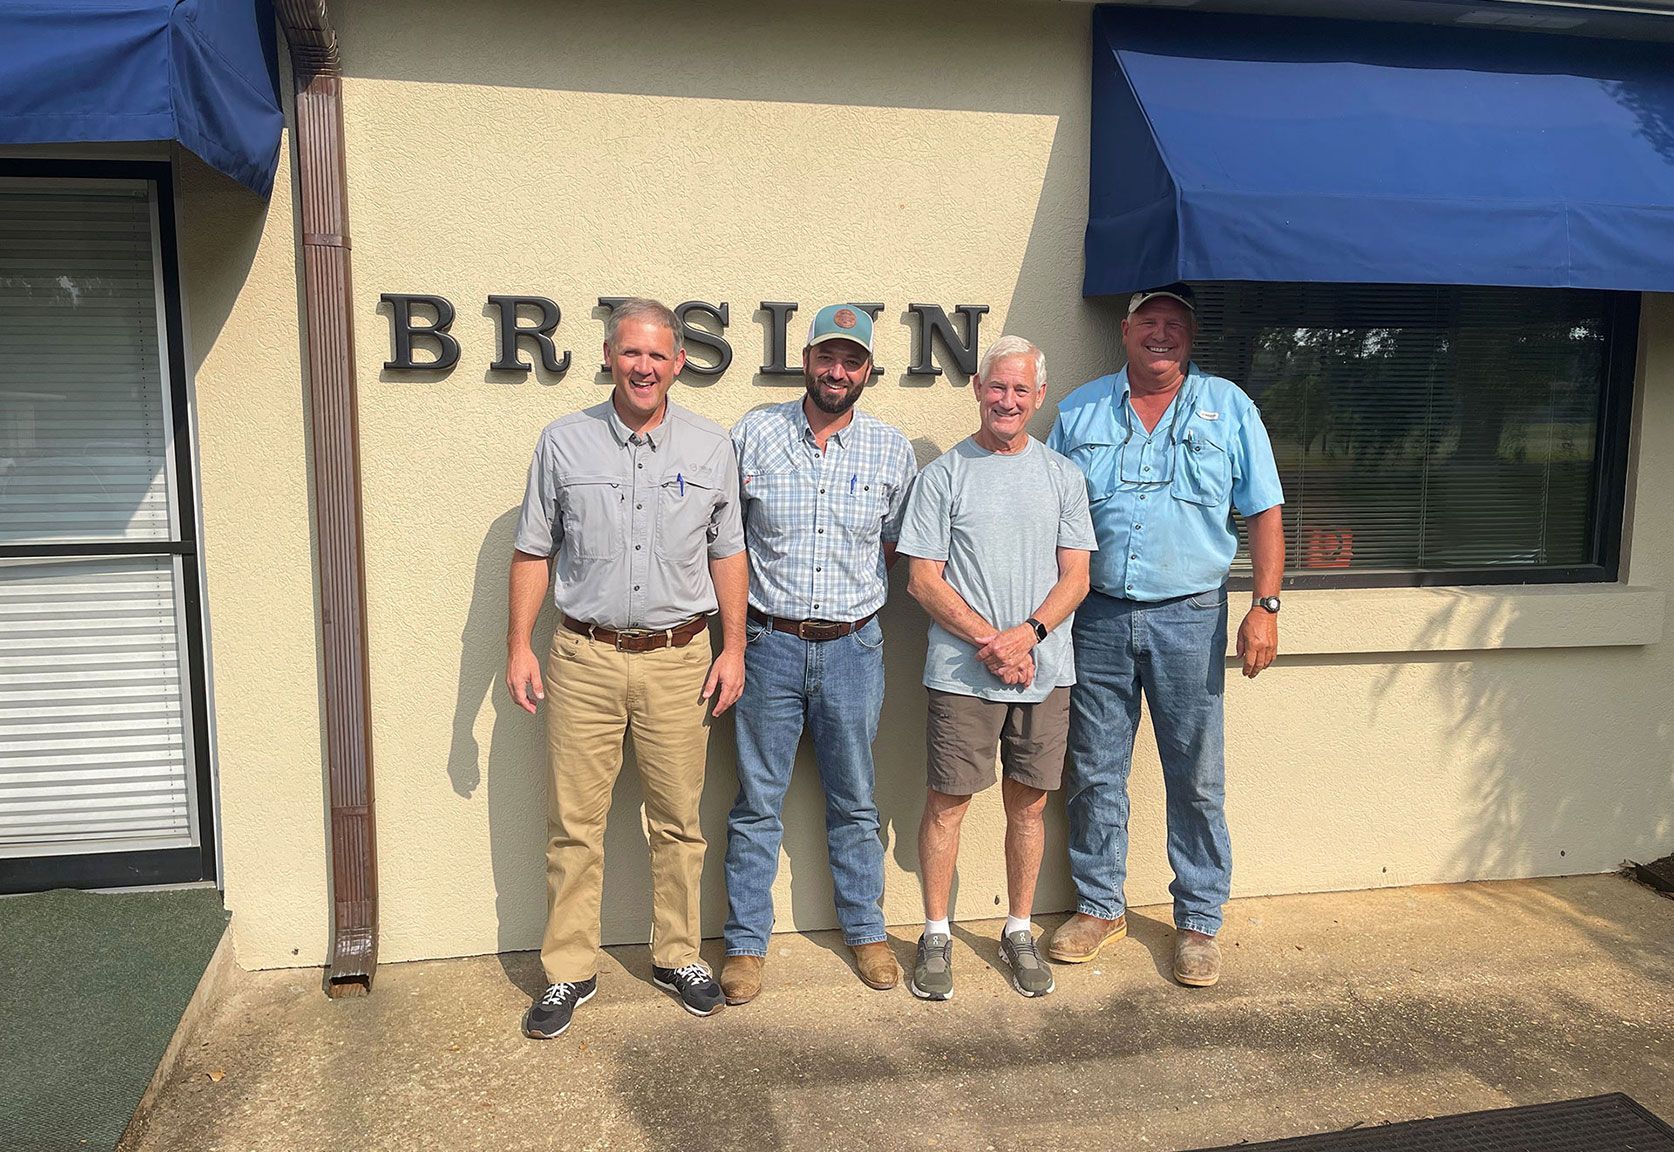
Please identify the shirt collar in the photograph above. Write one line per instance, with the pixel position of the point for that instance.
(654, 437)
(803, 432)
(1121, 390)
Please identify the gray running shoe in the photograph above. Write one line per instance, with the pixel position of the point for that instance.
(1029, 974)
(932, 977)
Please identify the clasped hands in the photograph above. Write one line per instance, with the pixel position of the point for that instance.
(1010, 654)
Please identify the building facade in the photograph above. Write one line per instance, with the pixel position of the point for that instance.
(1472, 683)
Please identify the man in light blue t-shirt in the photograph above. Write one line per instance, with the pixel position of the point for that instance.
(999, 535)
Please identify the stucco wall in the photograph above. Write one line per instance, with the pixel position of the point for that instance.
(743, 152)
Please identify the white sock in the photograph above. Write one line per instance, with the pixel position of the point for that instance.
(937, 928)
(1016, 924)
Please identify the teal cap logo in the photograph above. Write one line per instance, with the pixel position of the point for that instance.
(841, 322)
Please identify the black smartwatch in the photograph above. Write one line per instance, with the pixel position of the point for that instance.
(1040, 629)
(1271, 603)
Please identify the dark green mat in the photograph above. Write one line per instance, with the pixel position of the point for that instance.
(91, 988)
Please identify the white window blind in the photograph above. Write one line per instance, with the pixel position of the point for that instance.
(95, 736)
(94, 751)
(83, 428)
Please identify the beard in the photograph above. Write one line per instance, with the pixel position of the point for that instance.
(833, 408)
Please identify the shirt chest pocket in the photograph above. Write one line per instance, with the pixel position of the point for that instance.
(593, 509)
(685, 505)
(859, 510)
(1100, 464)
(1202, 472)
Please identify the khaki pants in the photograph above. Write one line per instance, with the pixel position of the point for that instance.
(593, 695)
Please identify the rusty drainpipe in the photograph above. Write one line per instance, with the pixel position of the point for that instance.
(336, 467)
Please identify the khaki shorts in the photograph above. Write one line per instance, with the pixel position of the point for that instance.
(963, 730)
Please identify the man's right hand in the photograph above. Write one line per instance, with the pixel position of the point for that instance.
(523, 677)
(1020, 669)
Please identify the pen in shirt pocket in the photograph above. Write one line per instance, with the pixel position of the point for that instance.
(680, 479)
(852, 481)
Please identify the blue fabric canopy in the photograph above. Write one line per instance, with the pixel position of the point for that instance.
(1278, 148)
(198, 71)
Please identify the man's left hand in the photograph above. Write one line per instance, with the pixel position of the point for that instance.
(1258, 640)
(726, 680)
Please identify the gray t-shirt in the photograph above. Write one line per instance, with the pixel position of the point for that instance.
(998, 521)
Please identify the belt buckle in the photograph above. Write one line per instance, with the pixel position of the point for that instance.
(828, 627)
(630, 634)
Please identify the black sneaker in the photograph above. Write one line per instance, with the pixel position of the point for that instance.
(696, 988)
(550, 1014)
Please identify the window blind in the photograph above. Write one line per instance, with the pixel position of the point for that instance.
(95, 739)
(1421, 428)
(83, 430)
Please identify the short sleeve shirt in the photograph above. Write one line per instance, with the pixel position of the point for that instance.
(815, 522)
(1162, 501)
(632, 521)
(998, 522)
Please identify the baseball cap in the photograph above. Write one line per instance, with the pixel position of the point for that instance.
(1179, 290)
(841, 322)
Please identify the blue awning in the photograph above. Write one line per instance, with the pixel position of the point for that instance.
(198, 71)
(1275, 148)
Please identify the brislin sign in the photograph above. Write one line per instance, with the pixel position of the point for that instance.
(420, 324)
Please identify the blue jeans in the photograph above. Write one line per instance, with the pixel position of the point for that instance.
(1174, 651)
(835, 688)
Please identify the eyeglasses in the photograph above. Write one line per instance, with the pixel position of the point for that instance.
(1132, 470)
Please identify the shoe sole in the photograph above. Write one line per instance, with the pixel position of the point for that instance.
(1198, 981)
(1052, 986)
(736, 1001)
(567, 1023)
(923, 995)
(678, 999)
(1067, 958)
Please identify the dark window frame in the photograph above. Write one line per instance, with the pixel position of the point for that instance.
(1608, 497)
(157, 865)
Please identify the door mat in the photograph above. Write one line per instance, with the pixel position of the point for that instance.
(92, 986)
(1612, 1123)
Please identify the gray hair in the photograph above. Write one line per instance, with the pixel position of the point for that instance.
(1008, 346)
(642, 308)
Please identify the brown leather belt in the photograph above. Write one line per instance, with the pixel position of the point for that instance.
(812, 629)
(640, 639)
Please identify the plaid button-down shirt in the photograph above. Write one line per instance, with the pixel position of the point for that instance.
(815, 523)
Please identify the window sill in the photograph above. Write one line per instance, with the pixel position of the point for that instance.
(1465, 619)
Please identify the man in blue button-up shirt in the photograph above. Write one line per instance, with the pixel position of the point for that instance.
(1169, 453)
(824, 488)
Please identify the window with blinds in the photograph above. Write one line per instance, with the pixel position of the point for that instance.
(96, 749)
(1423, 429)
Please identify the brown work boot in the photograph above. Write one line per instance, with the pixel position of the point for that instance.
(741, 978)
(1197, 959)
(1078, 939)
(877, 965)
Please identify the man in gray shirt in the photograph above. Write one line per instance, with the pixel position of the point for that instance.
(999, 535)
(633, 504)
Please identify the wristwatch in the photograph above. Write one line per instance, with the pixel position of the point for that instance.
(1040, 629)
(1271, 603)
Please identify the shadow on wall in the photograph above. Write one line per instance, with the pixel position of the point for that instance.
(1546, 784)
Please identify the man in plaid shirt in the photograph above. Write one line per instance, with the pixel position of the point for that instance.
(825, 486)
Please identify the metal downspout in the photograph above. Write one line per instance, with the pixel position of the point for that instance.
(336, 475)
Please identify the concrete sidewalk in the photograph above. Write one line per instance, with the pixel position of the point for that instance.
(1354, 1008)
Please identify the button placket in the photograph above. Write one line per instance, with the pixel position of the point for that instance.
(639, 561)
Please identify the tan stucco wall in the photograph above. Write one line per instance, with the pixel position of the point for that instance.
(746, 152)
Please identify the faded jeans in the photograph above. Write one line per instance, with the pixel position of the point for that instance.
(835, 688)
(1174, 652)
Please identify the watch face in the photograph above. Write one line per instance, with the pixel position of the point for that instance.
(1271, 603)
